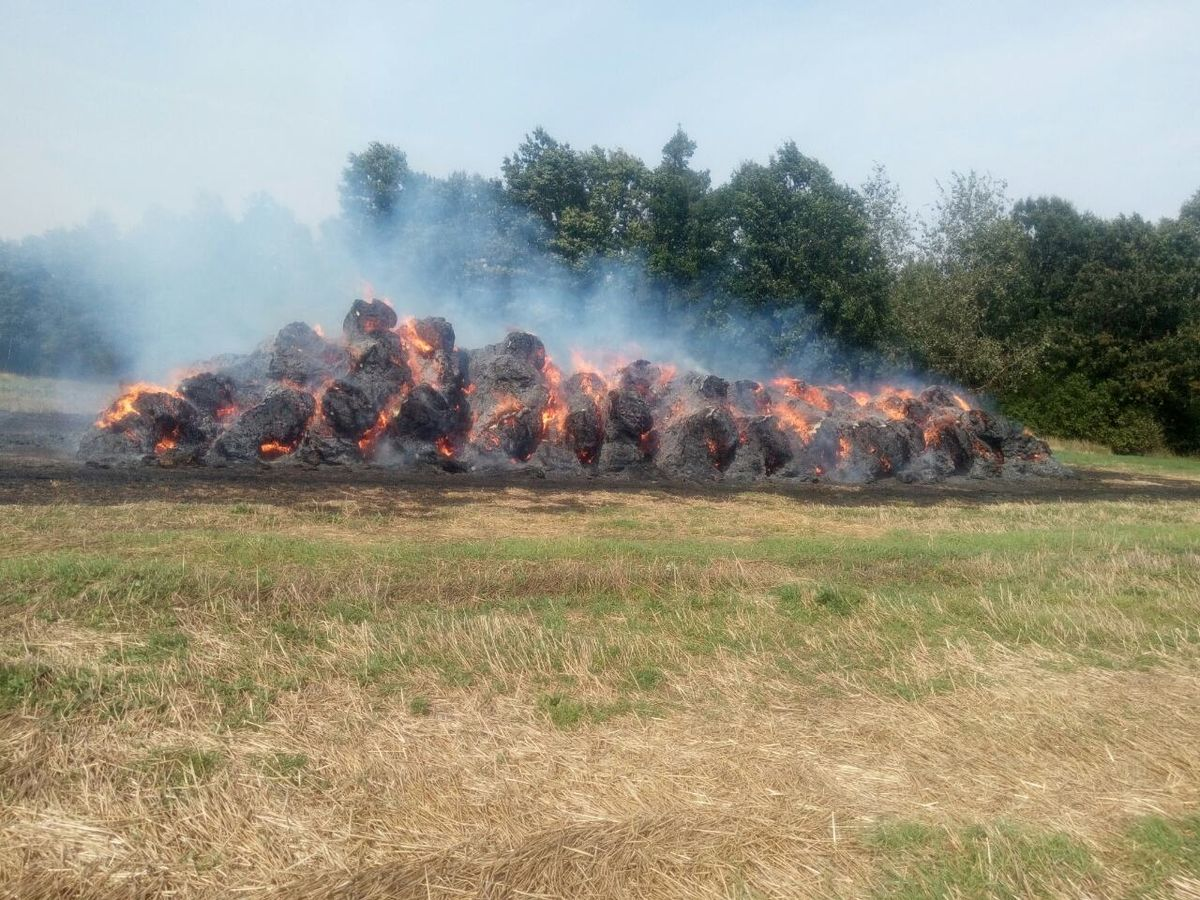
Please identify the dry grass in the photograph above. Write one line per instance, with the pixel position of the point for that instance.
(519, 694)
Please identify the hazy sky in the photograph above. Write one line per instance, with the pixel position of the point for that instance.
(119, 106)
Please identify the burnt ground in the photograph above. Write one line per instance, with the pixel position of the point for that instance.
(37, 466)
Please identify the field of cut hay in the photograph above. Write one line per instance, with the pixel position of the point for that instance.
(514, 693)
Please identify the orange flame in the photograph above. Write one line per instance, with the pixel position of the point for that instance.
(554, 416)
(274, 449)
(125, 405)
(366, 443)
(794, 421)
(811, 395)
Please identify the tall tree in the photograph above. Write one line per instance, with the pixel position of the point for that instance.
(374, 185)
(677, 240)
(792, 237)
(545, 176)
(891, 222)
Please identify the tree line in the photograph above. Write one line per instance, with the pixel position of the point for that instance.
(1081, 326)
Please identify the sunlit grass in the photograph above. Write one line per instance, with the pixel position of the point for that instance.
(577, 692)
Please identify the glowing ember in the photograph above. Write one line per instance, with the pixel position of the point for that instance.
(274, 449)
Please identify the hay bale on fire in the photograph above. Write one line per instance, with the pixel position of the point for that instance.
(146, 423)
(268, 430)
(399, 392)
(510, 395)
(697, 437)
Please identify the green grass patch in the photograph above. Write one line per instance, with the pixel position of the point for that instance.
(1003, 860)
(1182, 466)
(564, 711)
(284, 766)
(1161, 848)
(177, 767)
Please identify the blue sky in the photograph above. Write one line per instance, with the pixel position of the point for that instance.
(120, 106)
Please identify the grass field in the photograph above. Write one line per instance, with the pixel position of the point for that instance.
(541, 693)
(26, 393)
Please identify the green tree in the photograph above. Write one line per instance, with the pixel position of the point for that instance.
(375, 184)
(789, 236)
(677, 238)
(959, 306)
(891, 222)
(545, 176)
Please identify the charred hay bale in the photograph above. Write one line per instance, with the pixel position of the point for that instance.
(953, 446)
(349, 408)
(584, 433)
(584, 394)
(938, 396)
(432, 354)
(327, 449)
(764, 448)
(267, 430)
(624, 457)
(642, 377)
(927, 467)
(381, 357)
(366, 318)
(513, 431)
(629, 417)
(146, 424)
(510, 368)
(701, 444)
(426, 415)
(526, 346)
(301, 356)
(1024, 455)
(994, 431)
(821, 455)
(629, 440)
(436, 334)
(704, 387)
(213, 394)
(510, 396)
(869, 450)
(103, 447)
(897, 406)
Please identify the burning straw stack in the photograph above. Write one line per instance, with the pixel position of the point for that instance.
(402, 394)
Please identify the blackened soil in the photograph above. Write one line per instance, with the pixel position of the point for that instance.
(34, 481)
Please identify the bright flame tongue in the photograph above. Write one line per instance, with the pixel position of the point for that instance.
(554, 416)
(126, 404)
